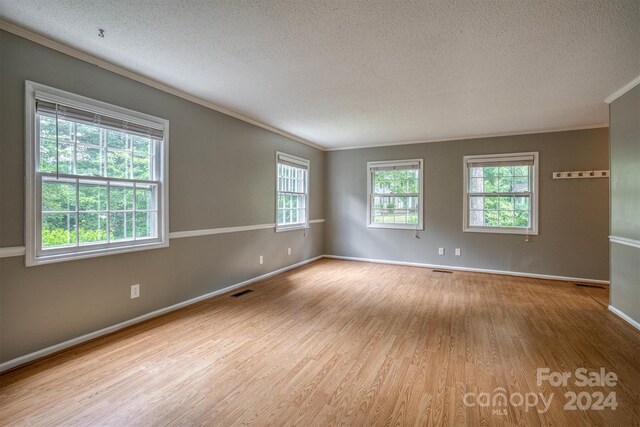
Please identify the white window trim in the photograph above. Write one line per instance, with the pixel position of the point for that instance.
(302, 162)
(32, 212)
(533, 230)
(420, 225)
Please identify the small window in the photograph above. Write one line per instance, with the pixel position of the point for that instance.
(292, 201)
(96, 178)
(501, 193)
(395, 194)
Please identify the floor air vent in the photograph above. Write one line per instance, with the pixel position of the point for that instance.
(239, 294)
(590, 285)
(443, 271)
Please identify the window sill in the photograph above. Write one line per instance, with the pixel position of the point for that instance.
(280, 228)
(498, 230)
(397, 226)
(61, 257)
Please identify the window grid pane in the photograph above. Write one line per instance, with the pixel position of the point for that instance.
(291, 199)
(79, 212)
(98, 212)
(500, 196)
(395, 197)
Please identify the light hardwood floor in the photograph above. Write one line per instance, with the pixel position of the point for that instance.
(341, 342)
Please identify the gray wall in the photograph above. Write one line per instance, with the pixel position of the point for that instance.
(221, 175)
(573, 222)
(624, 121)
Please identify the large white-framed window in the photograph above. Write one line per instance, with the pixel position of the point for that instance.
(501, 193)
(395, 194)
(292, 192)
(96, 177)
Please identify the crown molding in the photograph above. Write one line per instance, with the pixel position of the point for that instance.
(624, 89)
(94, 60)
(463, 138)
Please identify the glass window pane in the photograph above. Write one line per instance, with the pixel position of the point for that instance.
(505, 218)
(280, 216)
(92, 228)
(90, 161)
(141, 144)
(142, 167)
(58, 196)
(490, 184)
(476, 218)
(145, 199)
(505, 203)
(120, 197)
(87, 134)
(119, 164)
(121, 226)
(491, 218)
(117, 139)
(477, 202)
(58, 230)
(47, 128)
(476, 172)
(520, 184)
(66, 156)
(521, 170)
(47, 155)
(490, 172)
(504, 185)
(65, 130)
(412, 216)
(522, 203)
(146, 224)
(505, 171)
(521, 219)
(491, 203)
(92, 197)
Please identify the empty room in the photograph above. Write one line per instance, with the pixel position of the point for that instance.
(320, 213)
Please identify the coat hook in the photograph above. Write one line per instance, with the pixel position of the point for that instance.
(100, 32)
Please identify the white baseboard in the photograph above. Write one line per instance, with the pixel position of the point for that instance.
(110, 329)
(624, 317)
(471, 269)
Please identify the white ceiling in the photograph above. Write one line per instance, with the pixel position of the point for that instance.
(354, 73)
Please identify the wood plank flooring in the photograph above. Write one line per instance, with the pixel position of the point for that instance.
(342, 343)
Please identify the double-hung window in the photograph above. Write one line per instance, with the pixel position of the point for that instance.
(395, 194)
(292, 201)
(96, 178)
(501, 193)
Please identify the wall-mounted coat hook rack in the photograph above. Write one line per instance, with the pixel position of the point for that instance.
(581, 174)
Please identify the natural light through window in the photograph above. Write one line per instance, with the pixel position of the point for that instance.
(500, 193)
(292, 192)
(395, 194)
(98, 178)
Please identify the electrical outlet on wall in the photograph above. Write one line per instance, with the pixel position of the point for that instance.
(261, 260)
(289, 251)
(135, 291)
(457, 251)
(440, 251)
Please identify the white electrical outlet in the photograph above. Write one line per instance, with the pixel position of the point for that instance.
(457, 251)
(289, 251)
(135, 291)
(261, 260)
(440, 251)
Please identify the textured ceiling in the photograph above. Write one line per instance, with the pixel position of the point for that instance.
(353, 73)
